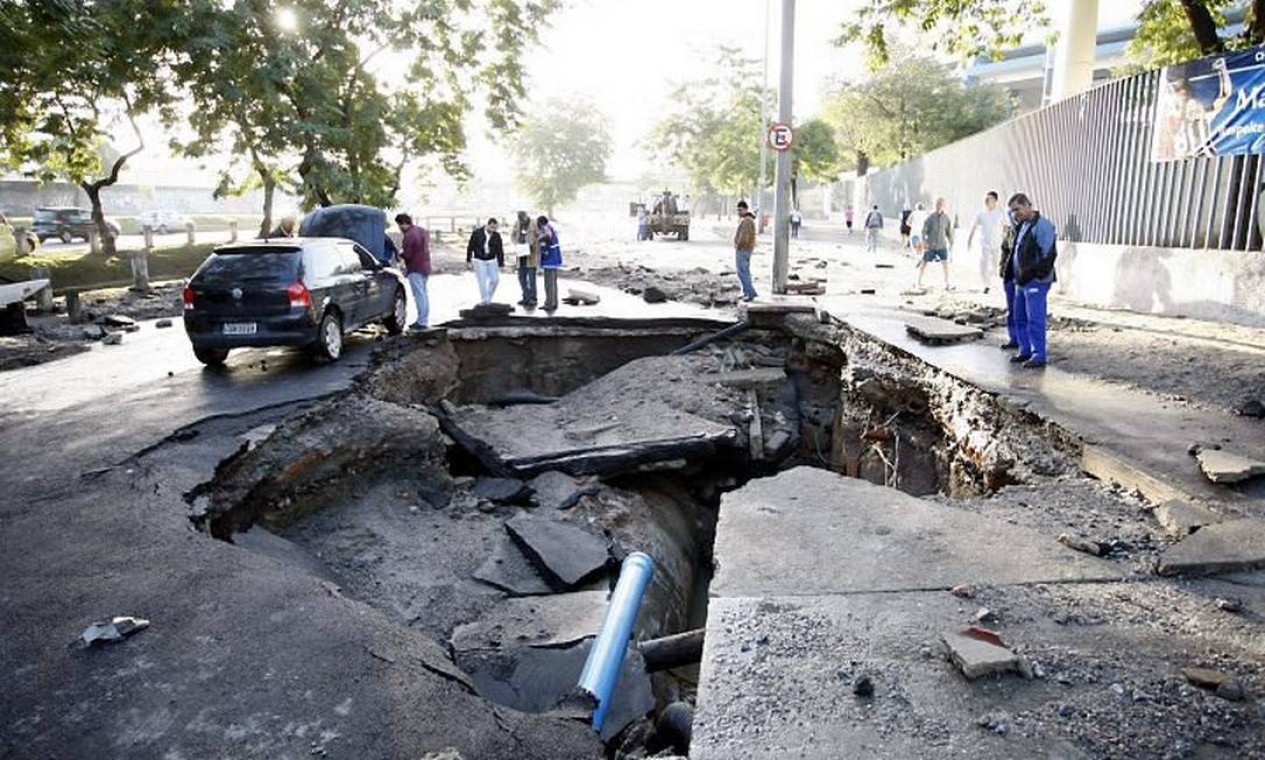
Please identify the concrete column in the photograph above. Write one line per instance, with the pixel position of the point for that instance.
(148, 233)
(190, 231)
(232, 231)
(44, 298)
(1075, 51)
(24, 245)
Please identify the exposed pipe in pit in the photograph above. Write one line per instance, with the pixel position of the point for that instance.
(601, 670)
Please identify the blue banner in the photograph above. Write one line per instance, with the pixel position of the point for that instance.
(1212, 106)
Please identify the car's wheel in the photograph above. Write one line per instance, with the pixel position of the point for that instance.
(211, 357)
(398, 318)
(329, 337)
(66, 237)
(683, 233)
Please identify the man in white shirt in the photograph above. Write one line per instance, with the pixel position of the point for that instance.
(991, 223)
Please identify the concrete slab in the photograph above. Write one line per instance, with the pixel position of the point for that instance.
(778, 675)
(557, 620)
(1181, 518)
(809, 531)
(1228, 467)
(509, 570)
(1132, 432)
(565, 553)
(749, 378)
(558, 490)
(939, 332)
(1227, 547)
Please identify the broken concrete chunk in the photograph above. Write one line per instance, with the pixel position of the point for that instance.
(581, 298)
(653, 294)
(112, 630)
(565, 553)
(1225, 467)
(163, 323)
(502, 490)
(117, 320)
(1181, 518)
(509, 570)
(546, 621)
(112, 339)
(558, 490)
(1226, 547)
(940, 331)
(1081, 545)
(976, 656)
(1205, 678)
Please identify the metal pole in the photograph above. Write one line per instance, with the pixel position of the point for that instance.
(758, 199)
(781, 209)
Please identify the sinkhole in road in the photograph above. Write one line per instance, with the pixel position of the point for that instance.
(480, 484)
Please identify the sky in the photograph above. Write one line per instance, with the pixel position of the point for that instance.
(627, 57)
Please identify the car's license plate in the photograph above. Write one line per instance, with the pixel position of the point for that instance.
(239, 328)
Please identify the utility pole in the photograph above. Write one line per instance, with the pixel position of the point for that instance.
(758, 199)
(781, 209)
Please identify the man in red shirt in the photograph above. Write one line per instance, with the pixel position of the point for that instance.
(415, 253)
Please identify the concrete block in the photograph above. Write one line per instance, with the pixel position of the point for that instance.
(976, 657)
(1226, 547)
(1225, 467)
(1181, 518)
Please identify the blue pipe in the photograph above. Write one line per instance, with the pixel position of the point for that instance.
(601, 670)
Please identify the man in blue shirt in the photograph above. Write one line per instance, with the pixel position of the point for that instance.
(1032, 265)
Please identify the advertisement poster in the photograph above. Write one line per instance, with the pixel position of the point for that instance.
(1212, 106)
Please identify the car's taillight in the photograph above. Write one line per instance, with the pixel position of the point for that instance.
(188, 297)
(300, 298)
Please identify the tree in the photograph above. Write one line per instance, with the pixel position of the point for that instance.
(71, 70)
(336, 96)
(561, 150)
(814, 156)
(1169, 29)
(912, 105)
(714, 132)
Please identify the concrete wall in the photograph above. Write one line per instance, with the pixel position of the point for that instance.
(1204, 284)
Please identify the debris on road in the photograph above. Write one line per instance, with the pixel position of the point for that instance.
(1081, 545)
(565, 553)
(112, 339)
(939, 332)
(1233, 546)
(110, 631)
(163, 323)
(1181, 518)
(1225, 467)
(979, 652)
(581, 298)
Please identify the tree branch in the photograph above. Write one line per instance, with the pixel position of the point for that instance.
(1203, 26)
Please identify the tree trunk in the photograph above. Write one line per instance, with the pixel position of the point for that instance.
(1256, 22)
(863, 163)
(93, 190)
(1203, 26)
(270, 185)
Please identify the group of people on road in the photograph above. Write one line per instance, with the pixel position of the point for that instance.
(538, 247)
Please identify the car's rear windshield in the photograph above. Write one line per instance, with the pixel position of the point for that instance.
(251, 265)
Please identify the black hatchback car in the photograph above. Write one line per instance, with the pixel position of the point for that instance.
(289, 292)
(66, 223)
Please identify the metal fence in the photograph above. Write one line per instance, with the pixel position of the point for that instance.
(1086, 164)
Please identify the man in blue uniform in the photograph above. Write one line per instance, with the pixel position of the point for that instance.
(1032, 264)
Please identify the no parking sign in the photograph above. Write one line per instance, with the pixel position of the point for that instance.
(781, 136)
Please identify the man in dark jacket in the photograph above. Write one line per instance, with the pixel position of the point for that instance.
(1031, 263)
(486, 255)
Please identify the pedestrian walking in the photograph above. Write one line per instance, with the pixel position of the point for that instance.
(486, 253)
(905, 229)
(848, 213)
(744, 245)
(873, 223)
(643, 224)
(525, 234)
(796, 221)
(1032, 264)
(991, 223)
(916, 219)
(937, 236)
(550, 260)
(415, 255)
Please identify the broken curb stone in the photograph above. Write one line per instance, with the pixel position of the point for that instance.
(1181, 518)
(654, 294)
(110, 631)
(509, 570)
(565, 553)
(976, 653)
(1224, 467)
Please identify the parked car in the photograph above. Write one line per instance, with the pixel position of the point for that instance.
(66, 223)
(163, 221)
(289, 292)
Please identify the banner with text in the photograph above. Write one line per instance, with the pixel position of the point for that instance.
(1212, 106)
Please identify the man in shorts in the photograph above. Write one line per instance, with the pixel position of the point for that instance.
(937, 236)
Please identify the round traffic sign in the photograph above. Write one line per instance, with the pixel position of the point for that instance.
(781, 136)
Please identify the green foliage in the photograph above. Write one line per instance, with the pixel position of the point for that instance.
(1165, 34)
(966, 29)
(562, 146)
(815, 155)
(337, 106)
(714, 133)
(913, 105)
(70, 70)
